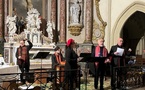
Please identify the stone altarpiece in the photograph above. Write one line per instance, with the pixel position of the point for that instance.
(89, 21)
(32, 31)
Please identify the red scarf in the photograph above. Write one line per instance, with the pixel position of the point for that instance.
(97, 51)
(58, 58)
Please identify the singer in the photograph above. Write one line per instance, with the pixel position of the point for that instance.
(100, 51)
(22, 56)
(71, 64)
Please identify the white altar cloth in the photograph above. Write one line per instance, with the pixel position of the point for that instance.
(9, 69)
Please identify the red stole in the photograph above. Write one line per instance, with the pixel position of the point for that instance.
(58, 58)
(97, 51)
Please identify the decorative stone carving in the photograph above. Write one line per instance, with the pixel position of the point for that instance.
(98, 13)
(11, 24)
(75, 12)
(98, 27)
(75, 9)
(50, 30)
(33, 20)
(75, 29)
(98, 31)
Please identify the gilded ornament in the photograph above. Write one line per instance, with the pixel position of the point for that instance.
(75, 29)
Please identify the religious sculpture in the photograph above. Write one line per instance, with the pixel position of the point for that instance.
(75, 12)
(29, 4)
(33, 20)
(50, 30)
(11, 24)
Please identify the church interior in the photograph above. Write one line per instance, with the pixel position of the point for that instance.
(50, 23)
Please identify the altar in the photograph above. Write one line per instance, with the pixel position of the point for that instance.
(8, 69)
(33, 33)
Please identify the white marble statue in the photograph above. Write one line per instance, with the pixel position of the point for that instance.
(11, 24)
(49, 30)
(75, 12)
(33, 20)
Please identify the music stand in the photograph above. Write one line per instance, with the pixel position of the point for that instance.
(87, 58)
(40, 55)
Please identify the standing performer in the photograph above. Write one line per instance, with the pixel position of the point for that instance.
(117, 60)
(22, 56)
(100, 51)
(57, 58)
(71, 64)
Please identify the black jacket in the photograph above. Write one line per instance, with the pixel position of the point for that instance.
(28, 48)
(117, 60)
(71, 59)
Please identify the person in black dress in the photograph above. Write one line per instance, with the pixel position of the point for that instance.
(71, 64)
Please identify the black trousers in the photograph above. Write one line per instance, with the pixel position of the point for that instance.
(71, 79)
(99, 72)
(117, 74)
(24, 67)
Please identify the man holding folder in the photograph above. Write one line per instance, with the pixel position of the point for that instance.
(118, 58)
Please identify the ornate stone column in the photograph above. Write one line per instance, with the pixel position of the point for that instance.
(88, 21)
(62, 25)
(54, 18)
(1, 19)
(53, 11)
(5, 16)
(62, 21)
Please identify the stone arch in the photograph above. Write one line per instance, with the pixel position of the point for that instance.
(136, 6)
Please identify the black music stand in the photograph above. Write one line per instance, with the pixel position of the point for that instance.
(87, 58)
(40, 55)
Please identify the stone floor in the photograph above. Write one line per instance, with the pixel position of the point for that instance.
(90, 84)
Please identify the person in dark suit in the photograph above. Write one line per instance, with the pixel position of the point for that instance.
(117, 60)
(22, 55)
(100, 51)
(71, 64)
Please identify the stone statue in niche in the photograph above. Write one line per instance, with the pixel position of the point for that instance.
(75, 12)
(35, 39)
(11, 24)
(50, 30)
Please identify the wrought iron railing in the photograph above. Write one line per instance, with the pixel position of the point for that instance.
(40, 78)
(128, 77)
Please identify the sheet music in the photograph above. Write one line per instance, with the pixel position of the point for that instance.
(120, 51)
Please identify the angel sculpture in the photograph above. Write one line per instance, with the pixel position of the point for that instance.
(11, 24)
